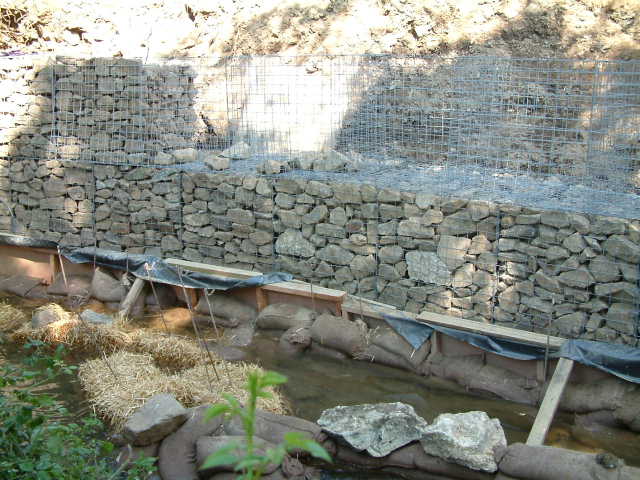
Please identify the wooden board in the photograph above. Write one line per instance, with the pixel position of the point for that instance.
(132, 296)
(550, 402)
(212, 269)
(497, 331)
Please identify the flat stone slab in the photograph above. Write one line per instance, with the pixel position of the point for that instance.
(379, 429)
(160, 416)
(469, 439)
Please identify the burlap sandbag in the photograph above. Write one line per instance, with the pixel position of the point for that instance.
(391, 341)
(340, 334)
(505, 384)
(76, 285)
(295, 340)
(177, 460)
(629, 410)
(164, 294)
(225, 306)
(272, 427)
(207, 445)
(375, 354)
(604, 394)
(283, 316)
(529, 462)
(129, 454)
(106, 287)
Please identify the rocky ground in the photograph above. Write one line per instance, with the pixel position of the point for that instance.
(149, 28)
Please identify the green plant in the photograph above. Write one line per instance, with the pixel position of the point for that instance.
(249, 462)
(36, 441)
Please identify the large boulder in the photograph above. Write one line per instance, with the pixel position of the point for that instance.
(161, 415)
(470, 439)
(379, 429)
(106, 288)
(96, 318)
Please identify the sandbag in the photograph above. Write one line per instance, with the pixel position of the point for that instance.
(340, 334)
(240, 336)
(318, 349)
(388, 339)
(77, 286)
(629, 410)
(529, 462)
(295, 340)
(20, 285)
(129, 454)
(272, 428)
(225, 306)
(166, 296)
(105, 287)
(604, 394)
(505, 384)
(207, 445)
(375, 354)
(601, 430)
(178, 450)
(205, 321)
(283, 316)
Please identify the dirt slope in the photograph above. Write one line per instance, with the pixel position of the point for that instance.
(149, 28)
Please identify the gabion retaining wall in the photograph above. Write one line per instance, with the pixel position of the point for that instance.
(129, 177)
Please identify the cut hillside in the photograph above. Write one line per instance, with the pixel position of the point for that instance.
(201, 28)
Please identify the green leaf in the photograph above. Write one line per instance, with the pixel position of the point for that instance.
(222, 456)
(272, 378)
(299, 440)
(215, 410)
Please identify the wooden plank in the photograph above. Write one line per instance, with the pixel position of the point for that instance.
(132, 296)
(261, 299)
(212, 269)
(368, 308)
(54, 266)
(550, 402)
(498, 331)
(304, 290)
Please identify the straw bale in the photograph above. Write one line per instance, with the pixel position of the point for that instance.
(169, 351)
(119, 384)
(11, 318)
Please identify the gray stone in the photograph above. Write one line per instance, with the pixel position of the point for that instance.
(574, 243)
(317, 215)
(291, 242)
(453, 250)
(571, 325)
(426, 200)
(330, 161)
(623, 248)
(547, 282)
(217, 163)
(479, 244)
(335, 255)
(519, 231)
(463, 276)
(458, 223)
(90, 316)
(413, 228)
(237, 151)
(160, 416)
(555, 219)
(378, 429)
(471, 439)
(428, 268)
(604, 269)
(622, 318)
(338, 216)
(170, 243)
(394, 294)
(391, 254)
(330, 230)
(318, 189)
(363, 266)
(579, 278)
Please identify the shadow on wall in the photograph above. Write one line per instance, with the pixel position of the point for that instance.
(87, 137)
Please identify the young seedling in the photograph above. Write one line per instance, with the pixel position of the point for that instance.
(248, 461)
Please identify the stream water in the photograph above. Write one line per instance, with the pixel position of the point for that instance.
(317, 382)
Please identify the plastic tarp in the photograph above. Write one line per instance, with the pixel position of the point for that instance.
(22, 241)
(416, 333)
(622, 361)
(148, 267)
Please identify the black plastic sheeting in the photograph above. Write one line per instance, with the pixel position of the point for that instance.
(148, 267)
(21, 241)
(619, 360)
